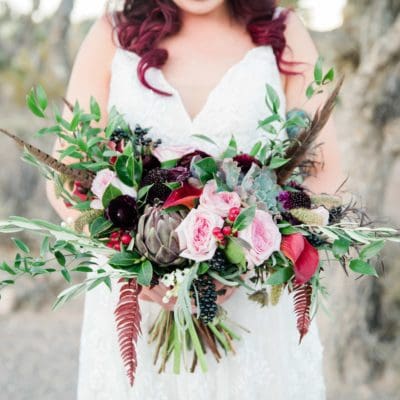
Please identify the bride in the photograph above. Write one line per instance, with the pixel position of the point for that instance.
(184, 67)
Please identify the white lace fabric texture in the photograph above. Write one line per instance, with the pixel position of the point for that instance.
(269, 363)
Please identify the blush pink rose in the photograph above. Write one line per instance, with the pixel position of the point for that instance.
(218, 202)
(167, 153)
(196, 239)
(263, 236)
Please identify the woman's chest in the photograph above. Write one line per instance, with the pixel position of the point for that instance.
(218, 102)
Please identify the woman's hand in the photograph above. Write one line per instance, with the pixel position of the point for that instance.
(157, 293)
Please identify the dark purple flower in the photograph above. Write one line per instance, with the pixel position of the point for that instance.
(177, 174)
(186, 160)
(290, 200)
(150, 162)
(122, 212)
(245, 162)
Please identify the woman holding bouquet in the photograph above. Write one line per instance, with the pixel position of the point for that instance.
(186, 67)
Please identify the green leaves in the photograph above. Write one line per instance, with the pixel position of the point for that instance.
(320, 79)
(245, 218)
(124, 169)
(318, 74)
(37, 102)
(362, 267)
(124, 259)
(145, 273)
(21, 245)
(99, 226)
(111, 193)
(280, 276)
(205, 168)
(340, 247)
(272, 99)
(95, 109)
(232, 149)
(372, 249)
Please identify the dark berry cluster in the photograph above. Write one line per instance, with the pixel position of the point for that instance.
(335, 215)
(315, 240)
(219, 263)
(207, 298)
(141, 139)
(120, 134)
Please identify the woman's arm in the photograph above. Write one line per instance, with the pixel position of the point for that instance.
(301, 48)
(90, 77)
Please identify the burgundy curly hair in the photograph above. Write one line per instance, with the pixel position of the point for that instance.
(142, 24)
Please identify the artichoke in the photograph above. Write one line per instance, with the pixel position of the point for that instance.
(156, 238)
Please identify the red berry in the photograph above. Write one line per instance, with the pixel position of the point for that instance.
(115, 236)
(235, 234)
(126, 238)
(113, 160)
(233, 213)
(117, 246)
(227, 230)
(110, 244)
(216, 231)
(223, 242)
(220, 236)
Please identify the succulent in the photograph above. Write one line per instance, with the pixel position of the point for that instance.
(156, 238)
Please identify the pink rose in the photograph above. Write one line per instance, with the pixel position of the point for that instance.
(167, 153)
(195, 234)
(218, 202)
(103, 179)
(264, 237)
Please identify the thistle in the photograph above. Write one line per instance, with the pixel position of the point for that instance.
(276, 293)
(326, 201)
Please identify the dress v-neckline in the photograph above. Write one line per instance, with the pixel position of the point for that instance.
(225, 75)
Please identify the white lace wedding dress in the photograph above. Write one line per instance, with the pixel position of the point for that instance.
(269, 364)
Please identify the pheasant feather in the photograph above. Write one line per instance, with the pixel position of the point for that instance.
(128, 318)
(85, 177)
(302, 304)
(306, 138)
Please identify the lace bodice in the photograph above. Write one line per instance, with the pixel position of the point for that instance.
(269, 364)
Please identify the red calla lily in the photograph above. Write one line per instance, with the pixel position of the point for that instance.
(304, 256)
(186, 195)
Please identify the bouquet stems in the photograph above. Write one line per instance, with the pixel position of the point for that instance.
(197, 339)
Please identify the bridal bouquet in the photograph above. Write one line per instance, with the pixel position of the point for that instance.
(197, 224)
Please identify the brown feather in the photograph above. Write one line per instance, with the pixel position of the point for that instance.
(304, 142)
(83, 176)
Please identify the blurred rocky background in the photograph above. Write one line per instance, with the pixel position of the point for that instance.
(39, 348)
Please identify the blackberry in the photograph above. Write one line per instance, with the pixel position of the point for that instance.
(156, 177)
(207, 298)
(315, 241)
(335, 215)
(219, 263)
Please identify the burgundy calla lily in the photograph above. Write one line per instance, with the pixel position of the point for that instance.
(186, 195)
(304, 256)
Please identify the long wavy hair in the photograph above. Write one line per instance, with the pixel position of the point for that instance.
(142, 24)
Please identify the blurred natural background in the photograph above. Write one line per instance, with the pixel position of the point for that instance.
(38, 41)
